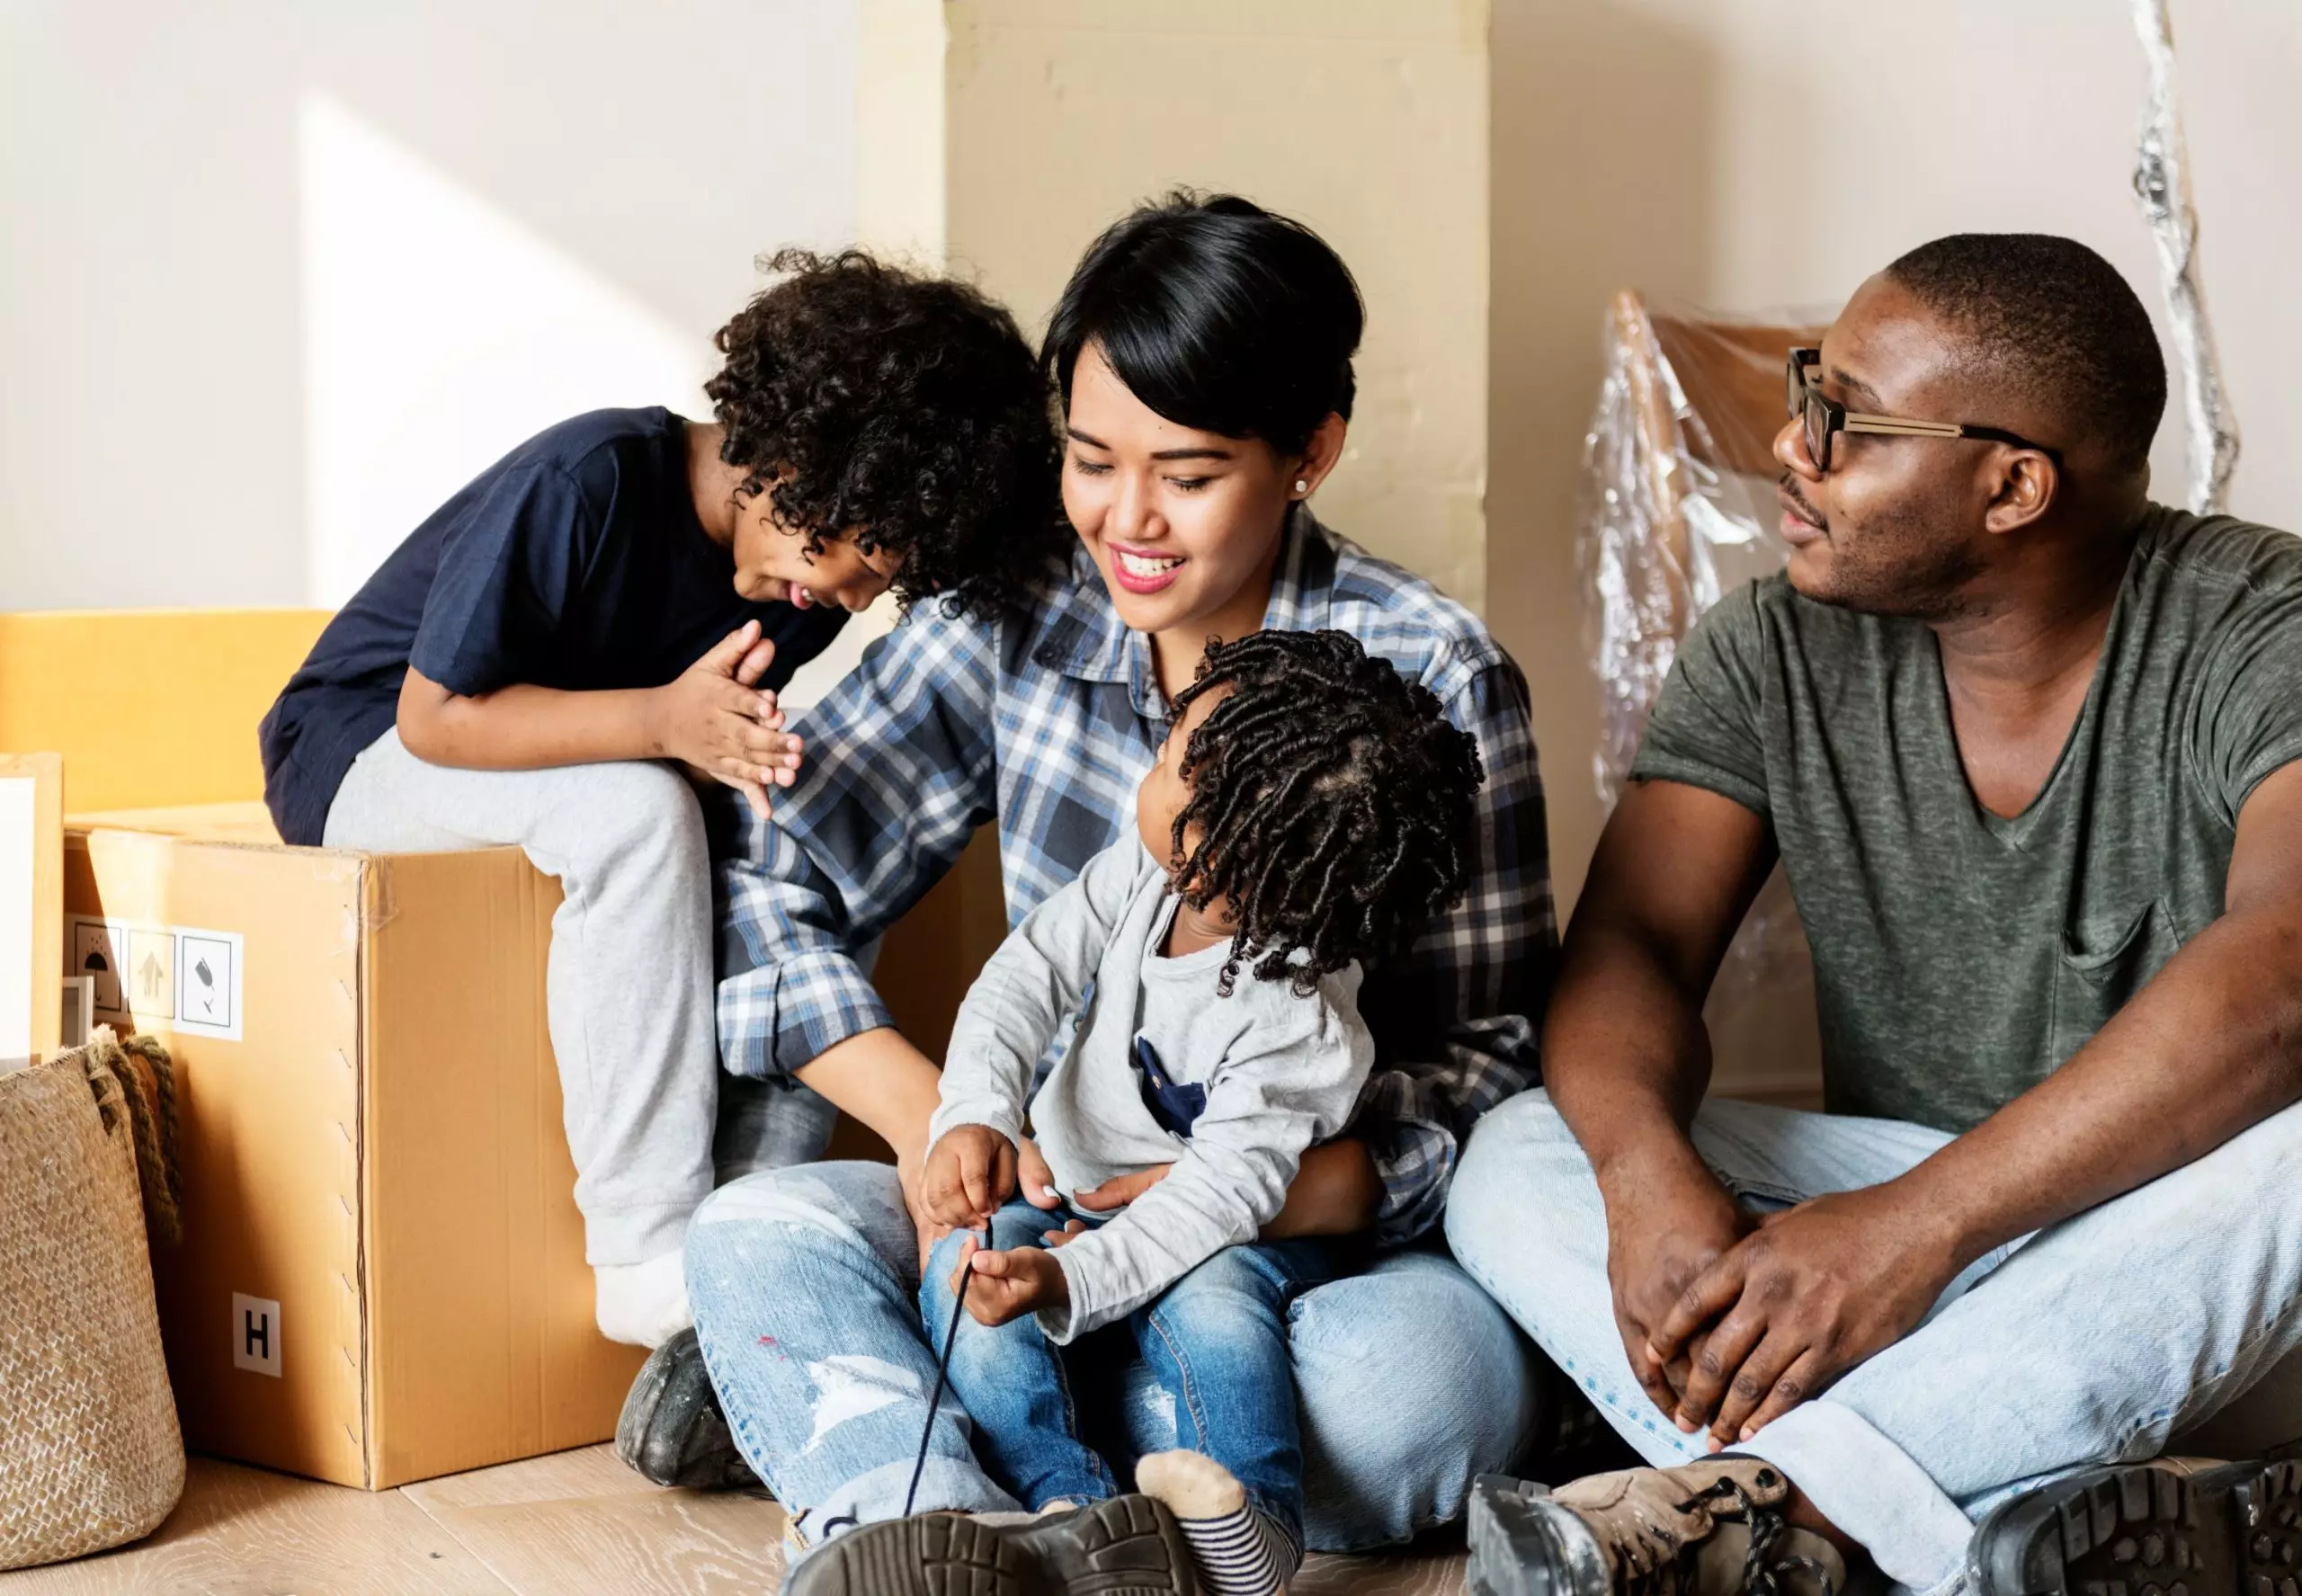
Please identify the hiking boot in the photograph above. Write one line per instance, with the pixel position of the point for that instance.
(1128, 1545)
(1709, 1529)
(2143, 1527)
(671, 1431)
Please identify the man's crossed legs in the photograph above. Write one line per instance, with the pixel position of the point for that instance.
(2087, 1344)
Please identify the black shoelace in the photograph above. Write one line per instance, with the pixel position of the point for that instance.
(942, 1378)
(1762, 1566)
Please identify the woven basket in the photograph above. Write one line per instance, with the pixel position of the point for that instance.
(90, 1454)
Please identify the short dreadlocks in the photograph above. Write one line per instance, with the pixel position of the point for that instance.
(1333, 801)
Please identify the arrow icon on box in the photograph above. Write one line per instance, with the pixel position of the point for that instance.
(151, 972)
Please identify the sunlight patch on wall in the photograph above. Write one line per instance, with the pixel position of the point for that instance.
(439, 333)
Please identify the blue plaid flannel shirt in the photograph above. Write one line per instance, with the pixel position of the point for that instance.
(1046, 723)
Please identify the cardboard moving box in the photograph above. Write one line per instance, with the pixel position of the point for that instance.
(383, 1275)
(382, 1278)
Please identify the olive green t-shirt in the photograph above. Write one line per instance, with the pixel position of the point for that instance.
(1960, 956)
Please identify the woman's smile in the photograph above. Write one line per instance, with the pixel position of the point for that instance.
(1143, 570)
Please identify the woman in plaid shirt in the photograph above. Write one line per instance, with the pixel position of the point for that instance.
(1204, 351)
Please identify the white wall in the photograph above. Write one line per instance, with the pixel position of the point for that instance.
(161, 410)
(1757, 153)
(275, 278)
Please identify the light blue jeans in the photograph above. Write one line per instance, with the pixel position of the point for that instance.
(2089, 1342)
(1217, 1338)
(1409, 1378)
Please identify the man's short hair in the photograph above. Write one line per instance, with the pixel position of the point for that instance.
(2054, 323)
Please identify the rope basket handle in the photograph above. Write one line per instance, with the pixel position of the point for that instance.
(135, 1081)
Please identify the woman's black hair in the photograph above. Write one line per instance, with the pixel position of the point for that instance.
(1217, 315)
(905, 409)
(1333, 801)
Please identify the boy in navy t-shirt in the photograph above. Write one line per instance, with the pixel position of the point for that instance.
(619, 598)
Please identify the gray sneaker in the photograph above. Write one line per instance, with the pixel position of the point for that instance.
(1128, 1546)
(2232, 1531)
(671, 1430)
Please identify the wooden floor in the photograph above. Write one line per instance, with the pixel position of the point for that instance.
(577, 1522)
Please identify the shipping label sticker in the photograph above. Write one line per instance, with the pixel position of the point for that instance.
(172, 978)
(208, 984)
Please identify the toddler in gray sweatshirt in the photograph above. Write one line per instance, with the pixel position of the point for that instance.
(1308, 809)
(1226, 1092)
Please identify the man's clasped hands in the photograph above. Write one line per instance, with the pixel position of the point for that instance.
(1731, 1317)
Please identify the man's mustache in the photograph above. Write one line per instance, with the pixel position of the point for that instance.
(1786, 485)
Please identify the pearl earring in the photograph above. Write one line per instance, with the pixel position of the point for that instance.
(1301, 486)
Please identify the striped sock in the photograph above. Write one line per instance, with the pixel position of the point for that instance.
(1239, 1552)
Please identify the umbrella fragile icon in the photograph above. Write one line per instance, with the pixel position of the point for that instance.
(95, 954)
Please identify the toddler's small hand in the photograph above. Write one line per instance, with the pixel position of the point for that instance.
(1009, 1283)
(969, 1174)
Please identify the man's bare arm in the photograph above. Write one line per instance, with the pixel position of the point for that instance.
(1625, 1051)
(2211, 1047)
(1626, 1057)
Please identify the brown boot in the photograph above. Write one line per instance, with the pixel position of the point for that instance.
(1709, 1529)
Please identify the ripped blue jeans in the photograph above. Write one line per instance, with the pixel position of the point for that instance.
(1215, 1339)
(1408, 1380)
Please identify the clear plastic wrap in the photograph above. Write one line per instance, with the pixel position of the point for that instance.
(1677, 504)
(1676, 509)
(2162, 183)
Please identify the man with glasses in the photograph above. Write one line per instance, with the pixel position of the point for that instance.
(2029, 749)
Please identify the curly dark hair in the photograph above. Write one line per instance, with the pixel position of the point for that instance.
(1333, 801)
(904, 409)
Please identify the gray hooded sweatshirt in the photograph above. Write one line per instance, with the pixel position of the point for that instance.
(1161, 1069)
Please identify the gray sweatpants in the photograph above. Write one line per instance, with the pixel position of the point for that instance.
(629, 992)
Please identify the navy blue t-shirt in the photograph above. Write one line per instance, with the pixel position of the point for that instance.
(574, 562)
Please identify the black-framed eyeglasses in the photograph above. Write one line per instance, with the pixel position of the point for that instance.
(1820, 417)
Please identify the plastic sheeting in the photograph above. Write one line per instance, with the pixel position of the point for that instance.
(1677, 509)
(2162, 183)
(1677, 504)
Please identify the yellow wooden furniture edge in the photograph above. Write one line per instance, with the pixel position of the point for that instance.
(149, 708)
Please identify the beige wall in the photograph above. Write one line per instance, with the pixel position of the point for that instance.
(1366, 119)
(1757, 153)
(156, 389)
